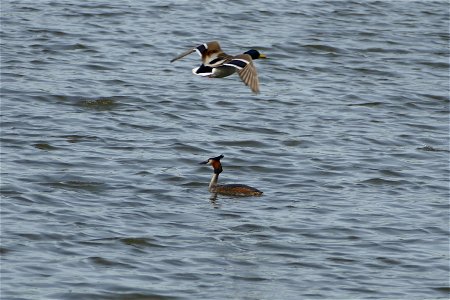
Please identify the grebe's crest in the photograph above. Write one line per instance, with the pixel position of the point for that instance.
(215, 163)
(210, 160)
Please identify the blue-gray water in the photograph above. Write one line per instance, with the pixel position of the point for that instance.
(102, 193)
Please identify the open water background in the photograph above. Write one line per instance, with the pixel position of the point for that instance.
(102, 194)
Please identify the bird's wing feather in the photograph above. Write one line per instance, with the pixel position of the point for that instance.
(183, 55)
(246, 70)
(200, 49)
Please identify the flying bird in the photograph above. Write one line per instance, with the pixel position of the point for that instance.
(218, 64)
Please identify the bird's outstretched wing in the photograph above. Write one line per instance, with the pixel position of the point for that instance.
(183, 55)
(208, 52)
(246, 70)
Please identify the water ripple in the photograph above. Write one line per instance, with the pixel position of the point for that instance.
(102, 193)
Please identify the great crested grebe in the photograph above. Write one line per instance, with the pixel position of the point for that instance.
(217, 64)
(227, 189)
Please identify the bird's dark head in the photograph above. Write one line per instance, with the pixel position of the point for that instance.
(215, 163)
(255, 54)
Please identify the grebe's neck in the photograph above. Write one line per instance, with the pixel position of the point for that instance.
(213, 183)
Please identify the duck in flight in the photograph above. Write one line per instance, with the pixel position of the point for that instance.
(218, 64)
(227, 189)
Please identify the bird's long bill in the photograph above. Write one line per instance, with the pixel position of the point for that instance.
(262, 55)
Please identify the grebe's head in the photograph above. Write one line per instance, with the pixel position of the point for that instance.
(215, 163)
(255, 54)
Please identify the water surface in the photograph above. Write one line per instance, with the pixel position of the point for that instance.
(102, 193)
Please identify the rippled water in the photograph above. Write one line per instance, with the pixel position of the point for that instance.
(102, 193)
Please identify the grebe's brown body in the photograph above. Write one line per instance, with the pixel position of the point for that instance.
(227, 189)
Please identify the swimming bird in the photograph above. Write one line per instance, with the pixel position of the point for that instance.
(227, 189)
(218, 64)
